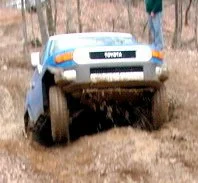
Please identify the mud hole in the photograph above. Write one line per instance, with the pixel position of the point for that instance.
(92, 115)
(104, 115)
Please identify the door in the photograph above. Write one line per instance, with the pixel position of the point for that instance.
(35, 96)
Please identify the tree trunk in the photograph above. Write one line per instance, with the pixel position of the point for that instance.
(187, 12)
(135, 3)
(69, 18)
(24, 25)
(130, 19)
(196, 24)
(113, 25)
(34, 41)
(55, 15)
(176, 43)
(50, 20)
(79, 16)
(42, 23)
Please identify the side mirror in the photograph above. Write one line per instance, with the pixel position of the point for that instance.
(35, 59)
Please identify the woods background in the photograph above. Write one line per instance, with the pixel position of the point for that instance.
(67, 16)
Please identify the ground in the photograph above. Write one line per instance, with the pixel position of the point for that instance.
(118, 155)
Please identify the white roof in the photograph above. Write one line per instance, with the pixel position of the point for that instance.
(90, 34)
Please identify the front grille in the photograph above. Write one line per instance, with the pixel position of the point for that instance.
(112, 54)
(116, 69)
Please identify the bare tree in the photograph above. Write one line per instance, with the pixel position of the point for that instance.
(32, 27)
(51, 13)
(55, 15)
(69, 18)
(79, 16)
(113, 24)
(50, 19)
(187, 12)
(135, 2)
(42, 23)
(24, 25)
(176, 43)
(196, 24)
(129, 11)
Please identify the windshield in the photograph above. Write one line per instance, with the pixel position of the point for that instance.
(71, 43)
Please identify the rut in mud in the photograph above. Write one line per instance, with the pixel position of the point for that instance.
(100, 114)
(93, 114)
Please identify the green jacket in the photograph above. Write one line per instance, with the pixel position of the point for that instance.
(154, 6)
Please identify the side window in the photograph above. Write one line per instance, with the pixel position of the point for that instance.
(46, 52)
(43, 54)
(51, 50)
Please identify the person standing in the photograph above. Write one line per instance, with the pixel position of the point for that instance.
(154, 9)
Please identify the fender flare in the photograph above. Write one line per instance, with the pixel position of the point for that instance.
(47, 82)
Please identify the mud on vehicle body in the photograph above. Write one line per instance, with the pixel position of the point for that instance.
(87, 67)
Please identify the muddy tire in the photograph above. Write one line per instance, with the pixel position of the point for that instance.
(159, 107)
(27, 131)
(39, 132)
(59, 115)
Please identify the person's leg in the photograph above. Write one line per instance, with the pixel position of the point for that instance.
(158, 34)
(151, 27)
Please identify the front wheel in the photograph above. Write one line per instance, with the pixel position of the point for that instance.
(159, 107)
(39, 131)
(59, 115)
